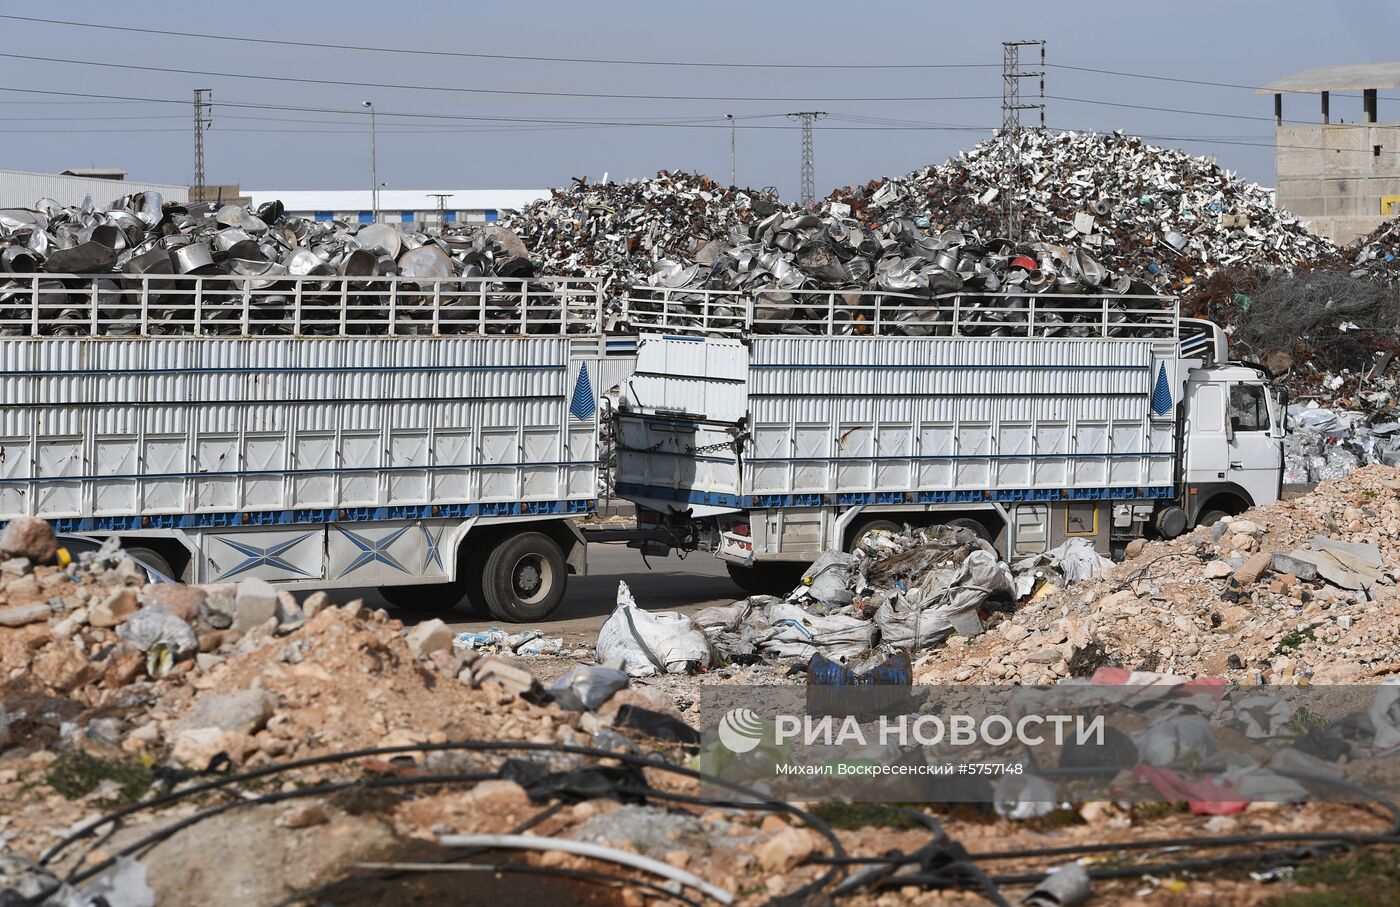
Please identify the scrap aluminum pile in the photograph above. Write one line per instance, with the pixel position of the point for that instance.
(617, 231)
(901, 592)
(1158, 215)
(1326, 443)
(139, 239)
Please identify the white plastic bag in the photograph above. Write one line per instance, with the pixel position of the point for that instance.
(650, 642)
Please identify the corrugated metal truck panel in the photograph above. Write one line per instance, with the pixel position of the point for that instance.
(120, 429)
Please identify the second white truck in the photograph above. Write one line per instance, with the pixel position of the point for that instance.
(768, 439)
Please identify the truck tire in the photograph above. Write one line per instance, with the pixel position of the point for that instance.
(436, 598)
(767, 579)
(963, 522)
(874, 526)
(153, 559)
(524, 578)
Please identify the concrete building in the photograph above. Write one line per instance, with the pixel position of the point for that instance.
(1341, 174)
(400, 206)
(98, 187)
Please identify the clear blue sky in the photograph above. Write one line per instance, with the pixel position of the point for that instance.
(1241, 42)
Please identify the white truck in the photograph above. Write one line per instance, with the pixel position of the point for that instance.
(770, 430)
(434, 438)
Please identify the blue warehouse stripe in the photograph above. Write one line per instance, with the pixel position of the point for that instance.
(939, 367)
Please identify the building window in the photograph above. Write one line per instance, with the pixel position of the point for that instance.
(366, 217)
(491, 217)
(407, 217)
(324, 216)
(449, 217)
(1375, 151)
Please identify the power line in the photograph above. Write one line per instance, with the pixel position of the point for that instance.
(1204, 82)
(458, 89)
(401, 51)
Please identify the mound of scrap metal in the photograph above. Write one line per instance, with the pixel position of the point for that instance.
(1155, 214)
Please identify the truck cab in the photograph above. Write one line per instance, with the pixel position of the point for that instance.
(1233, 442)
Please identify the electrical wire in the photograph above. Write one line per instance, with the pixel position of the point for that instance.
(402, 51)
(1204, 82)
(508, 92)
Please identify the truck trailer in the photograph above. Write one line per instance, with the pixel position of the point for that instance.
(436, 438)
(770, 429)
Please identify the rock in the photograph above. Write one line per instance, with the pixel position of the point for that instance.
(314, 604)
(1241, 526)
(197, 748)
(16, 566)
(245, 711)
(1014, 632)
(1252, 568)
(255, 604)
(448, 662)
(1240, 542)
(303, 815)
(1218, 570)
(495, 669)
(428, 637)
(785, 850)
(122, 666)
(114, 609)
(20, 615)
(26, 586)
(207, 662)
(182, 601)
(1117, 599)
(1045, 656)
(31, 537)
(75, 621)
(1135, 548)
(151, 626)
(64, 668)
(289, 614)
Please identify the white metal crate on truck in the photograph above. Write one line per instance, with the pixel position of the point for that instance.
(435, 438)
(770, 429)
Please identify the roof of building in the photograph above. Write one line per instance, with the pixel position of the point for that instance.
(100, 173)
(398, 199)
(22, 188)
(1347, 77)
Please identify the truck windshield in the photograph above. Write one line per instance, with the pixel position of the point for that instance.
(1249, 408)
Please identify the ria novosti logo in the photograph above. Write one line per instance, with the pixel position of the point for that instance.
(740, 730)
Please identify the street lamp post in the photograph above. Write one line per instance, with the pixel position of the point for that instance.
(373, 160)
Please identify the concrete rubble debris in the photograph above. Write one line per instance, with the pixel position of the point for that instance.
(1202, 604)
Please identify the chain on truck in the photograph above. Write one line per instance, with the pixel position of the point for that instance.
(770, 429)
(436, 438)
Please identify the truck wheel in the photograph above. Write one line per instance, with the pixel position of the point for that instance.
(767, 579)
(434, 598)
(874, 526)
(153, 559)
(1211, 517)
(524, 578)
(977, 528)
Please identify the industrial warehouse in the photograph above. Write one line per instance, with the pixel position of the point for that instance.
(367, 540)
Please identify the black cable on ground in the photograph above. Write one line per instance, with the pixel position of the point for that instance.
(759, 800)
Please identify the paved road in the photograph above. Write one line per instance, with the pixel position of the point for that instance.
(672, 585)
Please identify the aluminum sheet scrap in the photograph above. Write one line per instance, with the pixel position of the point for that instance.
(138, 236)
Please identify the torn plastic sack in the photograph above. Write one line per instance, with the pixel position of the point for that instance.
(1178, 740)
(947, 600)
(734, 630)
(796, 633)
(1073, 561)
(828, 580)
(1066, 886)
(650, 642)
(587, 687)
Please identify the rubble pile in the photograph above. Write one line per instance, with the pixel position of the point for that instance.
(1147, 213)
(1298, 591)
